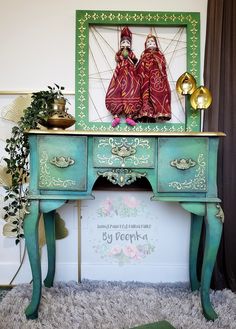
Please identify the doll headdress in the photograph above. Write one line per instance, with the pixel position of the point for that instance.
(149, 36)
(126, 34)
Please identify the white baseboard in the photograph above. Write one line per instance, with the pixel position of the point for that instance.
(144, 273)
(64, 272)
(111, 272)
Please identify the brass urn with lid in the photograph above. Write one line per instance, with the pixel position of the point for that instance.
(60, 119)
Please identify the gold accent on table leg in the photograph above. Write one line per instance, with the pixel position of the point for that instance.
(220, 213)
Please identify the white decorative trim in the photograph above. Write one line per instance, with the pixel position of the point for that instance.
(168, 272)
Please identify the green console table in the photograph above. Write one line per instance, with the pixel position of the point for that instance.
(180, 167)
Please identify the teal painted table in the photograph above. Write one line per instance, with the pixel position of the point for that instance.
(180, 167)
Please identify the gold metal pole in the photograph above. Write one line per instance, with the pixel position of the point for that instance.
(79, 239)
(7, 286)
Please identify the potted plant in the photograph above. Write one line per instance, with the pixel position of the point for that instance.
(40, 110)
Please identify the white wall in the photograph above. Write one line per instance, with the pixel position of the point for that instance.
(38, 37)
(128, 237)
(37, 49)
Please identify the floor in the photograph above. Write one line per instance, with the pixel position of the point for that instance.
(3, 292)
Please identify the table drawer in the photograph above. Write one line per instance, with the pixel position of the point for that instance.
(62, 163)
(124, 152)
(182, 166)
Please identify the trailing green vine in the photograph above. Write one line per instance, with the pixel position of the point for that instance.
(17, 147)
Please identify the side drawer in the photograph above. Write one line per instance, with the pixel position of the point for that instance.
(62, 162)
(124, 152)
(182, 164)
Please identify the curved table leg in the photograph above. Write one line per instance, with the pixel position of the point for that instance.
(31, 239)
(213, 220)
(49, 224)
(196, 228)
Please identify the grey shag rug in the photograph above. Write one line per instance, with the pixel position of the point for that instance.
(115, 305)
(3, 293)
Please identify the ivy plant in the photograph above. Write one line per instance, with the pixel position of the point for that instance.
(17, 147)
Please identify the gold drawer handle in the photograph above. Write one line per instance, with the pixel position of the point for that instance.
(62, 162)
(183, 164)
(123, 151)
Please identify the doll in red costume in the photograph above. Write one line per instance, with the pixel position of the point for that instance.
(155, 89)
(123, 94)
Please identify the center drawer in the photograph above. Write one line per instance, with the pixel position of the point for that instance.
(124, 152)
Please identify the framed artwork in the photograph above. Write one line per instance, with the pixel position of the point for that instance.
(97, 42)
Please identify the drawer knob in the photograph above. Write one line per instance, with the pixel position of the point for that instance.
(183, 164)
(62, 162)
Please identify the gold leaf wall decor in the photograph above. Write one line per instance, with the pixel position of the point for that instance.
(14, 110)
(60, 229)
(5, 178)
(8, 227)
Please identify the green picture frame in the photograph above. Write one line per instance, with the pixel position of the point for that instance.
(86, 18)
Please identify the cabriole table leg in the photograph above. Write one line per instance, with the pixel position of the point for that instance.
(213, 221)
(31, 239)
(49, 224)
(196, 228)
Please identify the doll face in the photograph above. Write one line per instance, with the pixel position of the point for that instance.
(151, 43)
(125, 43)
